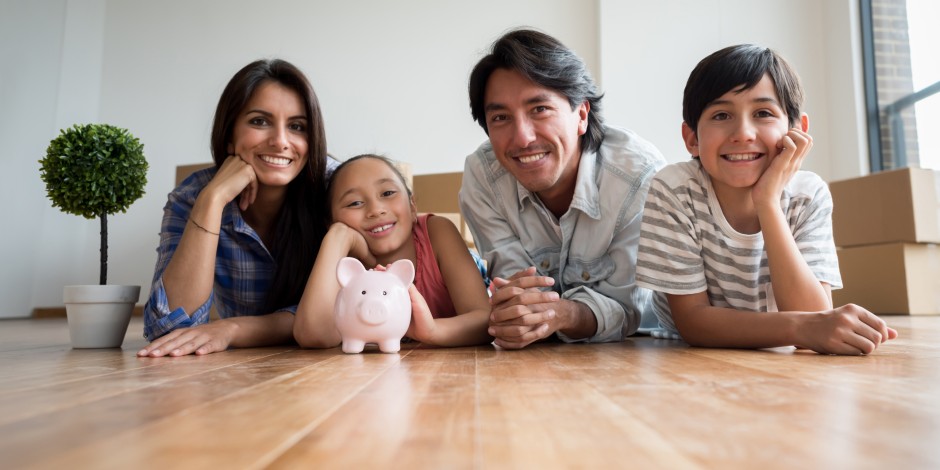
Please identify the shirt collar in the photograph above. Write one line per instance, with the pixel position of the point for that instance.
(232, 217)
(586, 193)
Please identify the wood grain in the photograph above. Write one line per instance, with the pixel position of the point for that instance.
(642, 403)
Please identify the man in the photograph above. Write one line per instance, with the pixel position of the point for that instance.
(554, 198)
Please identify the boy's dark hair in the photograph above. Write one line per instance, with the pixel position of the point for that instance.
(739, 68)
(301, 224)
(342, 166)
(547, 62)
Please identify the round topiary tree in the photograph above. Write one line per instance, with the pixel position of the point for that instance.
(93, 170)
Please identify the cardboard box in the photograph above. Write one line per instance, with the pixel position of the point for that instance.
(894, 278)
(460, 223)
(183, 171)
(887, 207)
(437, 194)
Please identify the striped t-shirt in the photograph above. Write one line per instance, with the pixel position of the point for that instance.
(687, 246)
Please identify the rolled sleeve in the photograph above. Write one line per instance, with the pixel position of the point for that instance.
(619, 305)
(160, 320)
(291, 309)
(608, 313)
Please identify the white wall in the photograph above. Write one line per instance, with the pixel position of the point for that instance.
(391, 77)
(29, 77)
(648, 50)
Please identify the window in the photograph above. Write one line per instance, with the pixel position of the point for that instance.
(902, 79)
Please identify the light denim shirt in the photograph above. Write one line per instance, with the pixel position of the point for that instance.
(591, 251)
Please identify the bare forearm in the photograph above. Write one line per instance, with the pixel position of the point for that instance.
(795, 286)
(576, 319)
(468, 329)
(262, 330)
(189, 275)
(729, 328)
(314, 326)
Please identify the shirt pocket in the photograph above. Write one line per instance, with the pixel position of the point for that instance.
(546, 261)
(580, 273)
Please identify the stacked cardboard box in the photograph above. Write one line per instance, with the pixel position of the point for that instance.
(437, 194)
(886, 227)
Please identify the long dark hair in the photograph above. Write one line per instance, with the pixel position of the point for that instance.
(547, 62)
(301, 224)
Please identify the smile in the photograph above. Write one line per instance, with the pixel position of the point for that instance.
(273, 160)
(742, 157)
(531, 158)
(381, 228)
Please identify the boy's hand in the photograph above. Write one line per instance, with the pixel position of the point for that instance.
(847, 330)
(793, 148)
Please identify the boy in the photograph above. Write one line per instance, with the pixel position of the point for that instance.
(739, 229)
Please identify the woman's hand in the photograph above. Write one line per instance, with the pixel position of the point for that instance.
(199, 340)
(235, 178)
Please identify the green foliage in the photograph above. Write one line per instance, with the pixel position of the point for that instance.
(94, 169)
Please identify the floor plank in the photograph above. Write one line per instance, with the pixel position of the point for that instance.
(641, 403)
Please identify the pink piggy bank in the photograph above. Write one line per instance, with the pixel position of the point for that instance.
(373, 306)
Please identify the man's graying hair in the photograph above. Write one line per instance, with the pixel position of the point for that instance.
(547, 62)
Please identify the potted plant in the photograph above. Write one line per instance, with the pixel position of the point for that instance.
(94, 170)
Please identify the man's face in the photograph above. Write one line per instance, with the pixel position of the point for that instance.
(534, 132)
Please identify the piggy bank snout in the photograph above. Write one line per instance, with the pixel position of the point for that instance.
(373, 312)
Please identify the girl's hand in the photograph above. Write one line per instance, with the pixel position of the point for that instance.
(354, 242)
(199, 340)
(235, 178)
(423, 327)
(793, 148)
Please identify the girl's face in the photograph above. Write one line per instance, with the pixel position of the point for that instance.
(270, 134)
(368, 196)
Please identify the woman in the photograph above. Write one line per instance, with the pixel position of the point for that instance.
(244, 234)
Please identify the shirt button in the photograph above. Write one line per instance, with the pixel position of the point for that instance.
(585, 275)
(545, 264)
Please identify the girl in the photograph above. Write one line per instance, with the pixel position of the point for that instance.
(375, 219)
(239, 235)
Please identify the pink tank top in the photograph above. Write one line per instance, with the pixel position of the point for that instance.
(428, 278)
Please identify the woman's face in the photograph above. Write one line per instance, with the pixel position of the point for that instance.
(270, 134)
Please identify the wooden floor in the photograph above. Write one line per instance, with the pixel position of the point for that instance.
(643, 403)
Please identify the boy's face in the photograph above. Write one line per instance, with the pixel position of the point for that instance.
(738, 135)
(368, 196)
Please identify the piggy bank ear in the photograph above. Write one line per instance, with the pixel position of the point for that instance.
(404, 270)
(347, 269)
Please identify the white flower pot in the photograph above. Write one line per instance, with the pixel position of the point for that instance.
(98, 315)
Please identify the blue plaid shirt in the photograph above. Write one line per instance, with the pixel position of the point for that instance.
(244, 268)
